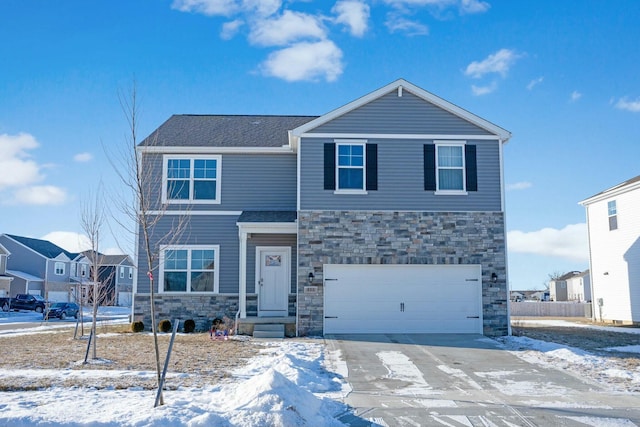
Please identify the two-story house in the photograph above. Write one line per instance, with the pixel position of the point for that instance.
(384, 215)
(116, 275)
(5, 279)
(613, 222)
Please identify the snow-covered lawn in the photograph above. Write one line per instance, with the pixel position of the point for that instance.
(293, 382)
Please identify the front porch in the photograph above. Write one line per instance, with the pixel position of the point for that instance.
(247, 326)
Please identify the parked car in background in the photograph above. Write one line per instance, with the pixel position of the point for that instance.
(62, 310)
(24, 302)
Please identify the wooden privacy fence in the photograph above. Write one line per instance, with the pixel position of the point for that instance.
(551, 309)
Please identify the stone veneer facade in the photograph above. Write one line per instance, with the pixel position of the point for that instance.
(382, 237)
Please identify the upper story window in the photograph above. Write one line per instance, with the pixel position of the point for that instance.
(122, 272)
(193, 269)
(612, 211)
(194, 180)
(83, 270)
(350, 167)
(450, 167)
(450, 164)
(130, 273)
(59, 268)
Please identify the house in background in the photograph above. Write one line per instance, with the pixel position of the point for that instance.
(384, 215)
(613, 221)
(37, 266)
(116, 275)
(572, 286)
(5, 279)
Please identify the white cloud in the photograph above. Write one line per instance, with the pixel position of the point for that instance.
(575, 95)
(624, 104)
(570, 242)
(287, 28)
(72, 242)
(230, 29)
(207, 7)
(484, 90)
(17, 169)
(473, 6)
(398, 24)
(83, 157)
(535, 82)
(498, 62)
(305, 61)
(523, 185)
(354, 14)
(39, 195)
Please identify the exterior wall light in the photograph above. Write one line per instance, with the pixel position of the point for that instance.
(494, 277)
(311, 276)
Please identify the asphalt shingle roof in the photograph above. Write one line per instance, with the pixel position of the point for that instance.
(188, 130)
(268, 216)
(43, 247)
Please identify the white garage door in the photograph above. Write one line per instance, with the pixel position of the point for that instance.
(402, 299)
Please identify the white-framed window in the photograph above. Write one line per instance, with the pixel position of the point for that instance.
(450, 168)
(612, 213)
(189, 269)
(350, 167)
(83, 270)
(122, 272)
(130, 273)
(191, 179)
(59, 268)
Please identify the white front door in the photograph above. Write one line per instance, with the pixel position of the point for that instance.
(273, 280)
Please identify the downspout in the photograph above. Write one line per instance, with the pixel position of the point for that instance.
(242, 294)
(591, 275)
(504, 223)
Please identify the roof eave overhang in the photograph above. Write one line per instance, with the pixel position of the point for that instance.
(613, 192)
(268, 227)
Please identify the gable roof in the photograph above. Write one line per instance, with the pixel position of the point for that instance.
(105, 260)
(224, 131)
(401, 85)
(43, 247)
(623, 187)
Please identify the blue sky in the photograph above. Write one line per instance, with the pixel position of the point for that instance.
(561, 76)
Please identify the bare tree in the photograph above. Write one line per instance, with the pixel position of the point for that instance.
(143, 181)
(551, 276)
(92, 221)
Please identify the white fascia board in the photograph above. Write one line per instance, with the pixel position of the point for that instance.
(194, 213)
(419, 92)
(3, 250)
(28, 248)
(268, 227)
(285, 149)
(25, 276)
(401, 136)
(62, 257)
(612, 192)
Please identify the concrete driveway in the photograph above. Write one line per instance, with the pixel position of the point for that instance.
(467, 381)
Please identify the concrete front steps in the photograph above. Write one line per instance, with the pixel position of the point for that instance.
(268, 330)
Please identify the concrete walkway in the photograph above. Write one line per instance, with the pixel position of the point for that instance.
(467, 381)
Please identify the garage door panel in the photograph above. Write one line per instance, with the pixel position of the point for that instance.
(403, 299)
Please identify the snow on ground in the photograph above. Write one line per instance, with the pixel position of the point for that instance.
(290, 382)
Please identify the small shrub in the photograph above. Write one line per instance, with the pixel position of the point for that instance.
(189, 326)
(137, 326)
(165, 325)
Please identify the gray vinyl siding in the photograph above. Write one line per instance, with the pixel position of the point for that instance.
(408, 114)
(23, 259)
(201, 230)
(400, 180)
(270, 240)
(51, 271)
(249, 181)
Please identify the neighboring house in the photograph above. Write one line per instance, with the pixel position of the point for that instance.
(116, 275)
(5, 279)
(517, 296)
(572, 286)
(384, 215)
(613, 221)
(37, 266)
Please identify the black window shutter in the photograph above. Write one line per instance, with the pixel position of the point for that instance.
(429, 167)
(471, 167)
(372, 167)
(329, 166)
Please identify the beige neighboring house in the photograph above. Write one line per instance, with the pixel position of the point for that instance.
(572, 286)
(613, 220)
(5, 280)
